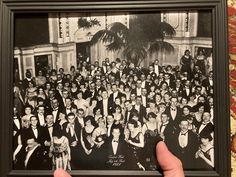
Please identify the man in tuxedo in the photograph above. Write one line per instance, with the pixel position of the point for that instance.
(104, 105)
(185, 145)
(41, 115)
(206, 127)
(16, 128)
(187, 89)
(141, 109)
(37, 132)
(165, 129)
(72, 131)
(157, 67)
(56, 110)
(115, 93)
(32, 158)
(168, 80)
(208, 82)
(129, 110)
(91, 92)
(174, 112)
(50, 128)
(115, 157)
(144, 97)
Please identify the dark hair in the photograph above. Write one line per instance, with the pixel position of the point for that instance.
(134, 122)
(151, 114)
(206, 136)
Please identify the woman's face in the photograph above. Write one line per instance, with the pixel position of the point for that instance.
(204, 141)
(184, 101)
(186, 111)
(88, 122)
(201, 109)
(131, 127)
(101, 123)
(152, 119)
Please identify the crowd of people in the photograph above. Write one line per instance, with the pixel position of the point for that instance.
(109, 116)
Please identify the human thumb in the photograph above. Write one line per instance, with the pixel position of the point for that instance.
(171, 165)
(61, 173)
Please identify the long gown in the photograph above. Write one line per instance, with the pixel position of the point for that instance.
(150, 137)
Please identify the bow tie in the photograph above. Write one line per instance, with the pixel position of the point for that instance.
(173, 109)
(114, 141)
(184, 134)
(49, 126)
(55, 109)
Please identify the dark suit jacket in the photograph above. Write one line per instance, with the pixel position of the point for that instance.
(177, 119)
(168, 134)
(111, 158)
(42, 135)
(36, 160)
(207, 130)
(130, 115)
(100, 106)
(111, 98)
(184, 92)
(186, 154)
(76, 136)
(142, 113)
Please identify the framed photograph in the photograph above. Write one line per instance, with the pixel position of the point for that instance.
(91, 86)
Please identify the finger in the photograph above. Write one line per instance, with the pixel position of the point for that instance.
(170, 164)
(61, 173)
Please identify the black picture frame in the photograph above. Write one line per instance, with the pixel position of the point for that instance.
(221, 80)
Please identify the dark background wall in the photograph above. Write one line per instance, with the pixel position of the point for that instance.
(31, 29)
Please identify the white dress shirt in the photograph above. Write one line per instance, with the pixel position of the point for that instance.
(183, 139)
(114, 146)
(105, 107)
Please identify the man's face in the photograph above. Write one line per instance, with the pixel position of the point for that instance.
(138, 101)
(27, 110)
(54, 104)
(33, 121)
(68, 102)
(127, 105)
(143, 77)
(116, 133)
(132, 97)
(164, 118)
(65, 94)
(174, 102)
(206, 117)
(49, 119)
(114, 88)
(104, 95)
(144, 92)
(30, 144)
(60, 86)
(139, 84)
(151, 68)
(183, 126)
(41, 110)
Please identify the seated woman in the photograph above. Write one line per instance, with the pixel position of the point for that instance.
(205, 154)
(60, 150)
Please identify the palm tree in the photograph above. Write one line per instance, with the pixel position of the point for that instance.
(144, 36)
